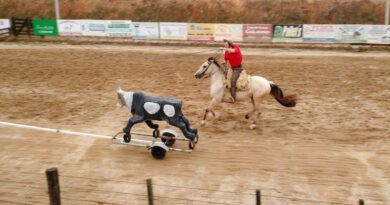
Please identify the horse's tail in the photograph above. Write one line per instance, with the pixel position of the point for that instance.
(277, 93)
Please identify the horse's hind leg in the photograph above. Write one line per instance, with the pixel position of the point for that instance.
(248, 115)
(254, 114)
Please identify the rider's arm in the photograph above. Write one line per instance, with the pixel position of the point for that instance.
(230, 50)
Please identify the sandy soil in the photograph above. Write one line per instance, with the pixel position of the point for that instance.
(334, 146)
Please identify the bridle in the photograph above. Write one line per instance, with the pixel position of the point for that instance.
(210, 62)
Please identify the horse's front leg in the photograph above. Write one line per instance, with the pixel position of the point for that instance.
(209, 109)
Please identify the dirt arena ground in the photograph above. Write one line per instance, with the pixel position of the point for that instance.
(332, 148)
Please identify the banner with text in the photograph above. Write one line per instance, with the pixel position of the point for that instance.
(119, 28)
(200, 31)
(287, 33)
(228, 31)
(173, 31)
(378, 34)
(146, 30)
(351, 34)
(45, 27)
(94, 27)
(319, 33)
(258, 32)
(5, 26)
(70, 27)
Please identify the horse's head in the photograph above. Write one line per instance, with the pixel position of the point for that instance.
(207, 68)
(120, 102)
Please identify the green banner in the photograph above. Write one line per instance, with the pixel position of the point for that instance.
(45, 27)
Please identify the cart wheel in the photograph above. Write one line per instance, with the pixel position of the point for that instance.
(126, 138)
(158, 152)
(167, 141)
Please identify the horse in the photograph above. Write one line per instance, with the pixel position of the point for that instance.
(146, 108)
(259, 87)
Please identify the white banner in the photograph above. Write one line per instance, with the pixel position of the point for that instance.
(173, 31)
(232, 32)
(69, 27)
(378, 34)
(94, 27)
(146, 30)
(319, 33)
(4, 24)
(119, 28)
(351, 34)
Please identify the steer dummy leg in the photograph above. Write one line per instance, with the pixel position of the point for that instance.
(184, 119)
(134, 120)
(151, 125)
(183, 127)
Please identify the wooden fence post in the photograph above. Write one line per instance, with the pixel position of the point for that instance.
(258, 197)
(54, 186)
(150, 191)
(361, 202)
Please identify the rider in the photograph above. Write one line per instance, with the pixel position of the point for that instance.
(234, 57)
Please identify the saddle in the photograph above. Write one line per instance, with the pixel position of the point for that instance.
(243, 81)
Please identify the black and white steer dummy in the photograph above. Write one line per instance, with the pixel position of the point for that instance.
(146, 108)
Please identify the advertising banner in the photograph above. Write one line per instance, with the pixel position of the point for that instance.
(378, 34)
(4, 24)
(351, 34)
(257, 32)
(69, 27)
(45, 27)
(119, 28)
(287, 33)
(94, 27)
(145, 30)
(232, 32)
(173, 31)
(319, 33)
(200, 31)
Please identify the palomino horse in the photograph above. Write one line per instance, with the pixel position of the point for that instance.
(259, 87)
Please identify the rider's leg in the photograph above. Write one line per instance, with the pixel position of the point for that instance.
(235, 76)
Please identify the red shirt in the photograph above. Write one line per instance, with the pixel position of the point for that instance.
(234, 59)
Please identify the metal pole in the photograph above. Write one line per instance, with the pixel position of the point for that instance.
(150, 191)
(54, 186)
(57, 8)
(258, 197)
(387, 16)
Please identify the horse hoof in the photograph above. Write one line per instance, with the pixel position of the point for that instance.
(253, 126)
(203, 122)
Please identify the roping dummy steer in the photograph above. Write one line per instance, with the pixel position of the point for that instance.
(146, 108)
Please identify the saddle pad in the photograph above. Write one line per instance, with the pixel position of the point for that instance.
(243, 81)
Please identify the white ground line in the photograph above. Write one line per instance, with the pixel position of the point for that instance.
(134, 142)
